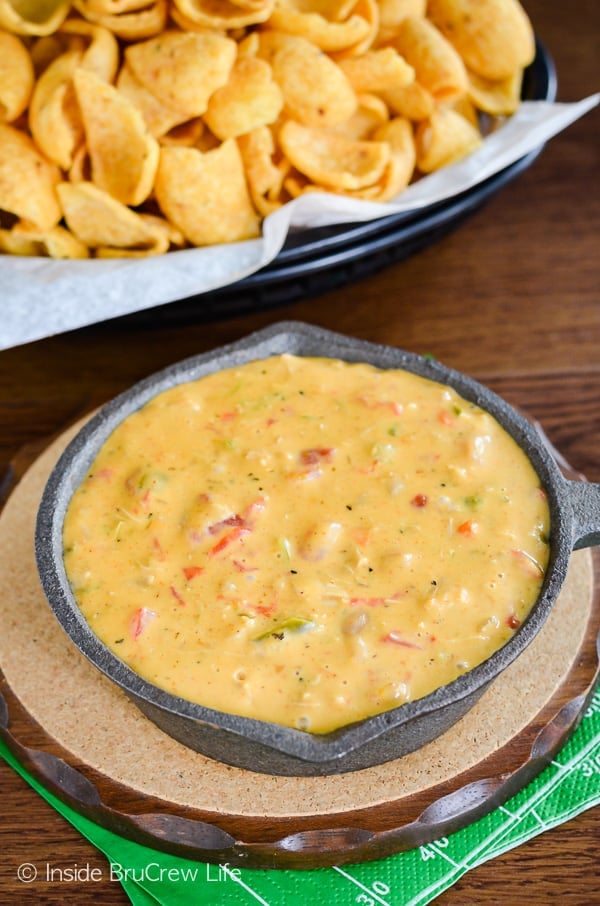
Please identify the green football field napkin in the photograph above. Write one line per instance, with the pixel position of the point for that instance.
(569, 785)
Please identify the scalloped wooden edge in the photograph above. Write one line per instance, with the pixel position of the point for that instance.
(312, 841)
(190, 833)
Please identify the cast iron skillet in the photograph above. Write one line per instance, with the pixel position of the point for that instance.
(270, 748)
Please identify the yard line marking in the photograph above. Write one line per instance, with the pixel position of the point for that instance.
(510, 814)
(441, 884)
(238, 880)
(539, 795)
(440, 852)
(539, 820)
(470, 860)
(362, 886)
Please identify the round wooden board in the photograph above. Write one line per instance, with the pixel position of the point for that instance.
(84, 740)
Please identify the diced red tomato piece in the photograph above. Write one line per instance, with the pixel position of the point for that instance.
(140, 619)
(190, 572)
(235, 520)
(177, 596)
(228, 539)
(105, 473)
(445, 418)
(242, 568)
(316, 455)
(367, 602)
(159, 551)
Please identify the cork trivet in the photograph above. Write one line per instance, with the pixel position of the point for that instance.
(92, 719)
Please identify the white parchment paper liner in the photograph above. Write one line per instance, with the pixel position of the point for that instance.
(40, 297)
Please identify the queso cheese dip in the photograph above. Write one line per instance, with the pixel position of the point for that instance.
(306, 541)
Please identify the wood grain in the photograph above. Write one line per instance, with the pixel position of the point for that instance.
(512, 297)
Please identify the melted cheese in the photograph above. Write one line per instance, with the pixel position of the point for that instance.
(307, 541)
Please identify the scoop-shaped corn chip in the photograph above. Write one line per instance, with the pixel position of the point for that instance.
(16, 77)
(265, 176)
(32, 17)
(220, 14)
(395, 178)
(391, 182)
(315, 90)
(377, 70)
(102, 53)
(172, 233)
(332, 10)
(251, 4)
(444, 138)
(193, 66)
(159, 118)
(165, 236)
(251, 98)
(399, 134)
(206, 195)
(73, 35)
(265, 206)
(133, 26)
(99, 220)
(331, 36)
(437, 65)
(54, 117)
(369, 11)
(411, 101)
(494, 37)
(123, 154)
(500, 98)
(371, 113)
(257, 149)
(27, 180)
(466, 108)
(391, 14)
(269, 42)
(11, 244)
(296, 184)
(27, 239)
(332, 160)
(81, 168)
(115, 7)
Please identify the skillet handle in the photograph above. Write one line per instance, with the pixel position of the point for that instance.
(585, 501)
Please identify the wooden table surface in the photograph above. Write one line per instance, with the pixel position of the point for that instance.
(512, 297)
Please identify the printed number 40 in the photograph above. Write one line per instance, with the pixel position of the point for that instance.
(430, 852)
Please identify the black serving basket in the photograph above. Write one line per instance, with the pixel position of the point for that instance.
(314, 261)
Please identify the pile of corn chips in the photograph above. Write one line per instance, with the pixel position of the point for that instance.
(134, 127)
